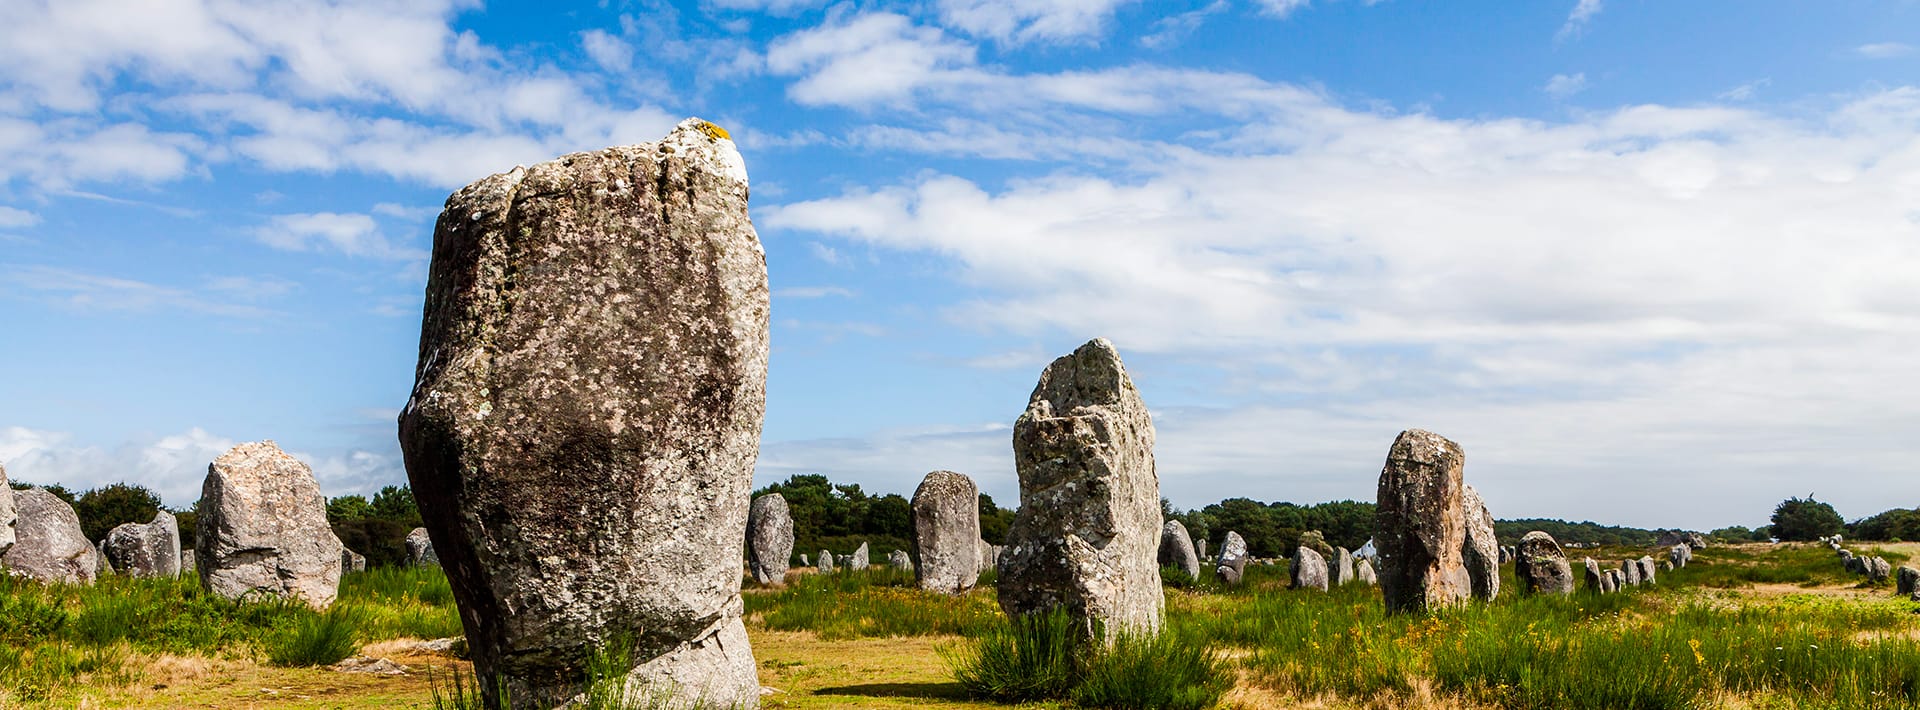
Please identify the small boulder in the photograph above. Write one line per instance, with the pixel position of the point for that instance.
(49, 545)
(1907, 580)
(1363, 571)
(1879, 568)
(1233, 559)
(769, 538)
(420, 549)
(1176, 549)
(1541, 566)
(145, 550)
(263, 528)
(899, 559)
(1309, 569)
(351, 561)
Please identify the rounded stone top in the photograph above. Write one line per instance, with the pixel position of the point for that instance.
(945, 483)
(1424, 446)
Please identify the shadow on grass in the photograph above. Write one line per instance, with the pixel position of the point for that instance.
(940, 691)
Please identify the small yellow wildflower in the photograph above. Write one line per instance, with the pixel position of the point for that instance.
(1697, 658)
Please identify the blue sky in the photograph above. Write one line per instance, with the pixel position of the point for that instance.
(1650, 263)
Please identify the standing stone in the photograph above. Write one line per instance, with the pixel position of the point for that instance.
(1482, 551)
(989, 556)
(49, 545)
(900, 560)
(1879, 568)
(1420, 524)
(1907, 581)
(1340, 568)
(586, 416)
(351, 561)
(420, 549)
(860, 558)
(946, 532)
(803, 560)
(1616, 582)
(769, 539)
(1176, 549)
(1541, 566)
(1201, 550)
(1233, 559)
(8, 517)
(1088, 530)
(826, 562)
(1696, 541)
(1630, 572)
(145, 550)
(263, 528)
(1363, 571)
(1679, 555)
(1309, 569)
(1597, 581)
(1646, 570)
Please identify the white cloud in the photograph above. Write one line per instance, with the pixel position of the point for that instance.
(610, 52)
(1884, 50)
(1169, 31)
(812, 292)
(1583, 12)
(774, 7)
(1744, 92)
(94, 293)
(1565, 85)
(1282, 8)
(865, 60)
(348, 234)
(1708, 287)
(13, 217)
(1022, 21)
(173, 466)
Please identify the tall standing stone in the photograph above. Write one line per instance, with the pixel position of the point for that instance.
(1420, 524)
(826, 562)
(1646, 569)
(1176, 549)
(1201, 550)
(263, 528)
(49, 545)
(586, 415)
(1088, 530)
(8, 515)
(1233, 559)
(946, 532)
(420, 549)
(861, 558)
(145, 549)
(1309, 569)
(1597, 580)
(769, 538)
(1340, 568)
(1630, 572)
(1482, 552)
(1363, 571)
(1541, 566)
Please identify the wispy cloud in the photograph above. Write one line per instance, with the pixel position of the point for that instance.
(347, 234)
(812, 292)
(173, 465)
(1583, 12)
(14, 218)
(85, 292)
(1023, 21)
(1562, 86)
(1884, 50)
(1171, 30)
(1281, 8)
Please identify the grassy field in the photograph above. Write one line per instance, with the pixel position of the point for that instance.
(1744, 627)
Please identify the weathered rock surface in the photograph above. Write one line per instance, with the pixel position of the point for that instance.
(804, 562)
(49, 545)
(8, 516)
(861, 558)
(1176, 549)
(769, 539)
(1318, 542)
(1541, 566)
(1309, 569)
(1200, 548)
(1481, 555)
(1340, 568)
(989, 555)
(1630, 572)
(263, 529)
(1680, 555)
(1363, 571)
(946, 532)
(351, 561)
(1907, 581)
(1878, 568)
(1647, 571)
(1597, 581)
(1233, 558)
(1420, 524)
(586, 415)
(145, 549)
(826, 562)
(1088, 531)
(420, 549)
(900, 560)
(1616, 582)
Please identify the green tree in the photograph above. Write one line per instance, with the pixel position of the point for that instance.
(106, 507)
(994, 521)
(1896, 524)
(395, 503)
(1732, 533)
(345, 508)
(1802, 519)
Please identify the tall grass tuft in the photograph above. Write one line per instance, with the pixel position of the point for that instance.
(318, 639)
(1034, 657)
(1170, 670)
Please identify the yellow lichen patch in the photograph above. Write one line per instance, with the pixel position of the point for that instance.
(715, 132)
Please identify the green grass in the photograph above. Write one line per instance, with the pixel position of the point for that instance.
(317, 639)
(1044, 657)
(875, 602)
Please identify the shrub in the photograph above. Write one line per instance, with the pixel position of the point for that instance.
(1165, 671)
(318, 639)
(1029, 658)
